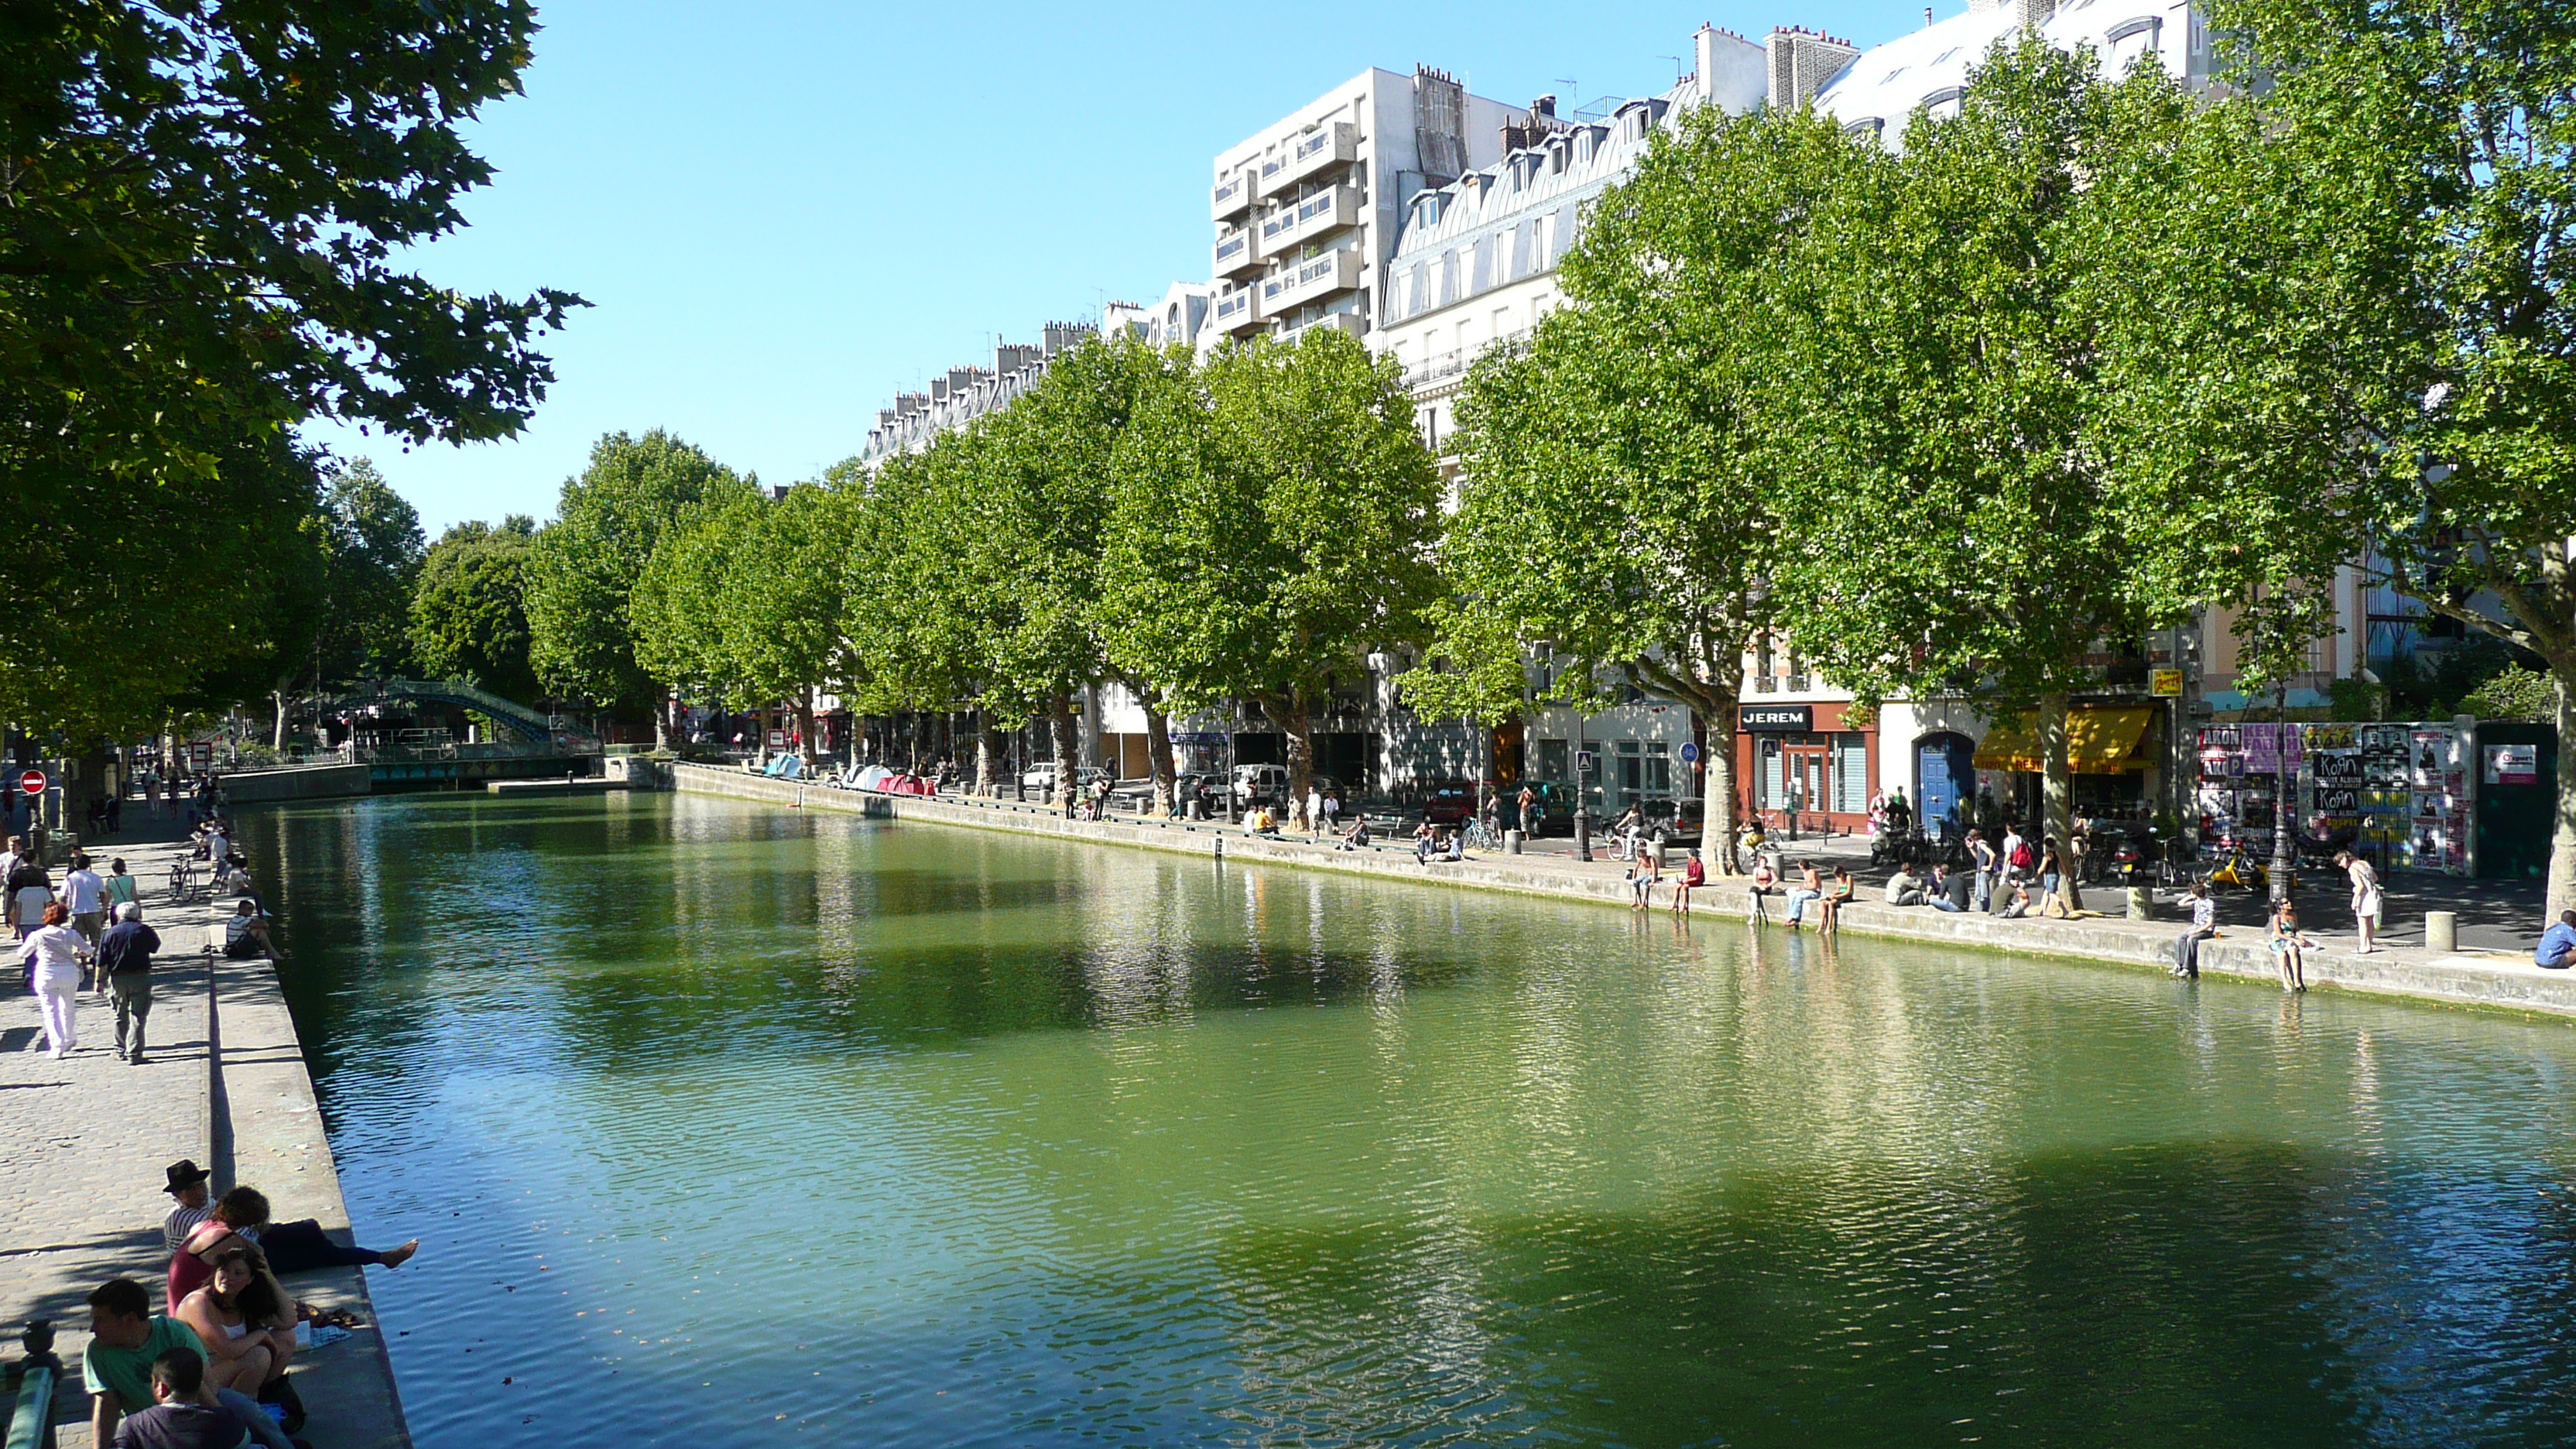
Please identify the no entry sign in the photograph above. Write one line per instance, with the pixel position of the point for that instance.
(33, 782)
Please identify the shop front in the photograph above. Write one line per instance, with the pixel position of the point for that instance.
(2111, 751)
(1805, 766)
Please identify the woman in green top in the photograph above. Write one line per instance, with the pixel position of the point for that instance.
(120, 890)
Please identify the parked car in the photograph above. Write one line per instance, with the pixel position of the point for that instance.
(1451, 802)
(1553, 803)
(1682, 818)
(1042, 776)
(1208, 790)
(1260, 785)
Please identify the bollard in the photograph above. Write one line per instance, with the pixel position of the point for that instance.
(2441, 931)
(2141, 904)
(1198, 809)
(1511, 842)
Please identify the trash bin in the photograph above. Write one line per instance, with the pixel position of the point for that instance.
(1511, 842)
(2441, 931)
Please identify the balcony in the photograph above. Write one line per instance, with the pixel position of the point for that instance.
(1317, 215)
(1231, 198)
(1335, 145)
(1234, 255)
(1350, 322)
(1236, 313)
(1310, 281)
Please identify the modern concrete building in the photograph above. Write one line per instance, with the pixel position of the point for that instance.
(1307, 210)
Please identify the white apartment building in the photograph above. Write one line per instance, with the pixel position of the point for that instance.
(1307, 210)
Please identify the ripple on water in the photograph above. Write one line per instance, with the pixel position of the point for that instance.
(731, 1128)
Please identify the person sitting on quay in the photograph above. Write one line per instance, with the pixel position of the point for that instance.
(1954, 890)
(239, 1219)
(185, 1181)
(1905, 888)
(2557, 948)
(1810, 887)
(247, 935)
(1834, 901)
(1763, 883)
(243, 1321)
(189, 1413)
(2204, 926)
(125, 974)
(122, 1369)
(1357, 837)
(2289, 947)
(1694, 874)
(1261, 822)
(2016, 899)
(1426, 836)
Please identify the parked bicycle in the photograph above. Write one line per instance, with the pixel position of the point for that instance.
(1481, 836)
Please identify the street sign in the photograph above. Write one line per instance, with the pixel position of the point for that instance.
(33, 782)
(2165, 684)
(1690, 752)
(1583, 761)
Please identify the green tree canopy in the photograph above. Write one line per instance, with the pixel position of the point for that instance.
(1964, 533)
(585, 565)
(204, 211)
(1272, 527)
(1617, 504)
(374, 569)
(469, 613)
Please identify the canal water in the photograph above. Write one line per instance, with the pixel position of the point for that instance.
(729, 1125)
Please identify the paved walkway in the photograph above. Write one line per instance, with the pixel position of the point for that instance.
(83, 1143)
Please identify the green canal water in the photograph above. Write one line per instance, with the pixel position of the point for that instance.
(726, 1125)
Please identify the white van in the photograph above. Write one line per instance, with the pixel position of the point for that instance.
(1260, 785)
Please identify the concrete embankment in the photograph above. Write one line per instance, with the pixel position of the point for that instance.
(2467, 979)
(225, 1085)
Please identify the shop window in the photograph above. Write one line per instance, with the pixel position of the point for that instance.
(1851, 774)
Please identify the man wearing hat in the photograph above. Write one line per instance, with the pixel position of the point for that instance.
(187, 1184)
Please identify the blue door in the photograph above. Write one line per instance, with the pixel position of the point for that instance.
(1943, 774)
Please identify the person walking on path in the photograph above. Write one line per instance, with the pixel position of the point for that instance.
(85, 895)
(2204, 925)
(31, 890)
(121, 888)
(2366, 903)
(125, 972)
(53, 954)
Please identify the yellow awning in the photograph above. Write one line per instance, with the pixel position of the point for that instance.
(2099, 739)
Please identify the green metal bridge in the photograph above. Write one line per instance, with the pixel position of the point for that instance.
(516, 721)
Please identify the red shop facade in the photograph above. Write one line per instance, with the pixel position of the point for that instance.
(1809, 757)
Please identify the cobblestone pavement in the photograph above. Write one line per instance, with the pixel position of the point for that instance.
(84, 1141)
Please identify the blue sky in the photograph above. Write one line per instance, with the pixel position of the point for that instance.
(782, 213)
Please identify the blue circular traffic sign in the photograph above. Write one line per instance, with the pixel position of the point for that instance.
(1690, 752)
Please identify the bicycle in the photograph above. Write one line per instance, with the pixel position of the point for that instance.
(1481, 836)
(182, 886)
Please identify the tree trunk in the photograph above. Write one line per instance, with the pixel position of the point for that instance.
(1717, 797)
(1295, 720)
(2283, 861)
(1158, 757)
(2057, 773)
(805, 727)
(662, 723)
(988, 745)
(2562, 838)
(277, 739)
(1060, 735)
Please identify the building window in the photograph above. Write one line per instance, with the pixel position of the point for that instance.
(1851, 774)
(1659, 768)
(1448, 277)
(1551, 760)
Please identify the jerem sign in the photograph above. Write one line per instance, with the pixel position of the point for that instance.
(1759, 718)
